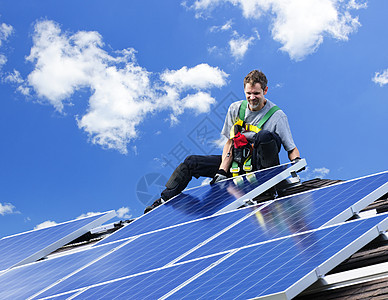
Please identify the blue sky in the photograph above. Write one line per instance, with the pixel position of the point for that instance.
(100, 100)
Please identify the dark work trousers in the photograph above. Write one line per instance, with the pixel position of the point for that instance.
(266, 149)
(198, 166)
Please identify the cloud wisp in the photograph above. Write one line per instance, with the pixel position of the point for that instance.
(123, 93)
(239, 46)
(315, 173)
(300, 26)
(5, 31)
(45, 224)
(381, 78)
(7, 209)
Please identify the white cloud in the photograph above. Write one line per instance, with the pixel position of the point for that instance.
(122, 92)
(299, 25)
(199, 77)
(315, 173)
(239, 46)
(381, 78)
(199, 102)
(227, 26)
(3, 60)
(45, 224)
(5, 31)
(88, 214)
(123, 213)
(7, 209)
(357, 5)
(16, 79)
(321, 172)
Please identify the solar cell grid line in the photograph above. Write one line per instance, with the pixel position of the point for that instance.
(24, 281)
(149, 251)
(148, 285)
(66, 296)
(30, 246)
(281, 269)
(298, 213)
(207, 200)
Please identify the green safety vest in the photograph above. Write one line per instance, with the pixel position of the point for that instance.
(239, 125)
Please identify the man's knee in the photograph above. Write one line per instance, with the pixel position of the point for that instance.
(267, 147)
(179, 177)
(191, 161)
(263, 136)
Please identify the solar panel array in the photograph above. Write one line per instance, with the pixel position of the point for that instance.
(176, 251)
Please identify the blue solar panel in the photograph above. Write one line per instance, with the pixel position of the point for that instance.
(24, 281)
(225, 232)
(279, 267)
(286, 266)
(148, 252)
(156, 283)
(30, 246)
(206, 200)
(245, 242)
(299, 213)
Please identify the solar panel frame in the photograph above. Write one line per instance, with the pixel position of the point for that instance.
(293, 168)
(29, 255)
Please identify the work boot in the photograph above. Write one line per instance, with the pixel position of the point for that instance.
(155, 204)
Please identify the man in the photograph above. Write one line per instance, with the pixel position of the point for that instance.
(266, 142)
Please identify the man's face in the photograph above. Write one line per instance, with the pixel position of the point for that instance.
(255, 96)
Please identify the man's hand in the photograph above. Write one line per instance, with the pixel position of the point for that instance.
(295, 160)
(220, 175)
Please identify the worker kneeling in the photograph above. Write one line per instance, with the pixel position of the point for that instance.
(255, 129)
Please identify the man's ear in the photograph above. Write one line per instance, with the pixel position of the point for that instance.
(265, 90)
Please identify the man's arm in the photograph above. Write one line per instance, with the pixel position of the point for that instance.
(227, 156)
(294, 153)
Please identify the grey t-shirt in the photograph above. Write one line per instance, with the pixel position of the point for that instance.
(278, 123)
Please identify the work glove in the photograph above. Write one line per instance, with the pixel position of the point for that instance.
(220, 175)
(295, 160)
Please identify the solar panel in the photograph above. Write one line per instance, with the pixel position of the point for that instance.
(206, 200)
(148, 252)
(32, 245)
(225, 232)
(24, 281)
(284, 267)
(157, 282)
(300, 212)
(190, 258)
(278, 269)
